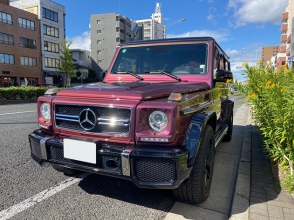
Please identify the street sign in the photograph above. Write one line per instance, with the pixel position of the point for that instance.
(63, 75)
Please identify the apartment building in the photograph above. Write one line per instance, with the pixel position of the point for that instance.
(291, 47)
(107, 32)
(82, 60)
(268, 52)
(286, 35)
(52, 29)
(153, 28)
(20, 53)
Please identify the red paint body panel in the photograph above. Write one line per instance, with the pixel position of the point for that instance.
(131, 90)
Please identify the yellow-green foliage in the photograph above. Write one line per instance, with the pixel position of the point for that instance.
(272, 96)
(16, 93)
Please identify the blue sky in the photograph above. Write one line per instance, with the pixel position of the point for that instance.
(241, 27)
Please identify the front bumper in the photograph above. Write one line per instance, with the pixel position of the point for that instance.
(146, 167)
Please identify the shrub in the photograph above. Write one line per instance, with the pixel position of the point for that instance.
(271, 94)
(17, 93)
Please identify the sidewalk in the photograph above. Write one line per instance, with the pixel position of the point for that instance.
(257, 187)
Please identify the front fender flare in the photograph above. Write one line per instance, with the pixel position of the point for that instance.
(194, 133)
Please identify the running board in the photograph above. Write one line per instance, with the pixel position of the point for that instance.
(221, 135)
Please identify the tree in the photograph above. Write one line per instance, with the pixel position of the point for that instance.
(66, 64)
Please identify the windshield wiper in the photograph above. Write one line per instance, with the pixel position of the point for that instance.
(130, 73)
(165, 73)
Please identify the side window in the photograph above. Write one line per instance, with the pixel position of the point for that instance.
(215, 62)
(222, 62)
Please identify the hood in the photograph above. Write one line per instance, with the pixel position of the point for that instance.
(131, 90)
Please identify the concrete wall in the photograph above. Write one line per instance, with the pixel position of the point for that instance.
(107, 37)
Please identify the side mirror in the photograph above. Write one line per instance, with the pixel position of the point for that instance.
(223, 75)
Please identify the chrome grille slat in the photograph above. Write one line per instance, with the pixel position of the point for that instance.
(67, 116)
(114, 121)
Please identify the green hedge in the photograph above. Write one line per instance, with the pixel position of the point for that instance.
(272, 96)
(19, 93)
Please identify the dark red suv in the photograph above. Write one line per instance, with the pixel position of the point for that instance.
(156, 119)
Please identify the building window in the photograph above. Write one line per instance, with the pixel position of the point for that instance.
(5, 18)
(51, 47)
(50, 31)
(24, 23)
(6, 39)
(99, 52)
(99, 61)
(98, 41)
(98, 31)
(51, 15)
(27, 43)
(98, 21)
(51, 62)
(28, 61)
(6, 59)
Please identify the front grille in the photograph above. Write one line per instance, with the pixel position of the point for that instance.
(35, 147)
(108, 120)
(56, 155)
(154, 169)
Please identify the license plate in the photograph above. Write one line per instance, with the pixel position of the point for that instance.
(84, 151)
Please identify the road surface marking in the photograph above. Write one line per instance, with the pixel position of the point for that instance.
(34, 200)
(12, 113)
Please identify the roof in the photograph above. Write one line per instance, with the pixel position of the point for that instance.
(167, 40)
(173, 40)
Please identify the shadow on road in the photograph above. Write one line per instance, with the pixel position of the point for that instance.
(126, 191)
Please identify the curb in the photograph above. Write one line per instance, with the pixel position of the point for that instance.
(240, 204)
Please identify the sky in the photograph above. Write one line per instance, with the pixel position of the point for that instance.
(241, 27)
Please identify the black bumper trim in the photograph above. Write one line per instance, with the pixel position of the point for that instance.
(131, 162)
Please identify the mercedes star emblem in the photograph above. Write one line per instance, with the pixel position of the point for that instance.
(87, 119)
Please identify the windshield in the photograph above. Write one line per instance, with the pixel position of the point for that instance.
(180, 59)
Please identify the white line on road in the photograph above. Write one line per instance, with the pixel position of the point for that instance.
(12, 113)
(13, 210)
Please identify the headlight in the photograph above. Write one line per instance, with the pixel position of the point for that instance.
(45, 110)
(158, 121)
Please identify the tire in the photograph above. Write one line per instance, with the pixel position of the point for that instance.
(195, 189)
(66, 171)
(229, 134)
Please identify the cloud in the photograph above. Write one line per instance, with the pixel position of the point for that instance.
(232, 52)
(256, 11)
(217, 35)
(210, 17)
(81, 42)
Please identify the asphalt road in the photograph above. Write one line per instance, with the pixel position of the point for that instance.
(29, 191)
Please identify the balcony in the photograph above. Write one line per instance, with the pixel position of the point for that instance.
(120, 35)
(128, 29)
(284, 27)
(283, 38)
(120, 24)
(289, 39)
(281, 55)
(285, 16)
(282, 49)
(288, 51)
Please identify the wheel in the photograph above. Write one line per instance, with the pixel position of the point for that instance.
(228, 135)
(195, 189)
(65, 170)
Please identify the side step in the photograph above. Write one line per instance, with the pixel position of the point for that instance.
(220, 135)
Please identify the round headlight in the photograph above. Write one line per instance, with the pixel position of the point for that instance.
(45, 110)
(158, 121)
